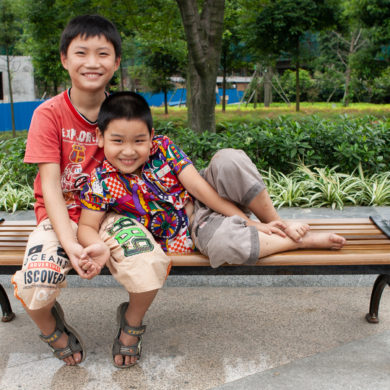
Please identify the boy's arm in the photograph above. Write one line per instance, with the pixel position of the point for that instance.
(205, 193)
(58, 213)
(88, 236)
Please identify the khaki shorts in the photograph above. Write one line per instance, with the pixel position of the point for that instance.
(227, 239)
(137, 261)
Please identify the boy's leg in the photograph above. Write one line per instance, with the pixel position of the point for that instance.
(228, 239)
(235, 177)
(271, 244)
(140, 265)
(38, 283)
(139, 304)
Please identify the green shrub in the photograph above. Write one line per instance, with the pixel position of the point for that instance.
(12, 168)
(283, 143)
(309, 162)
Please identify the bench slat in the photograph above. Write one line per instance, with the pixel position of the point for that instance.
(365, 245)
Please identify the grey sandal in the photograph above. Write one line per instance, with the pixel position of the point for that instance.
(118, 348)
(75, 343)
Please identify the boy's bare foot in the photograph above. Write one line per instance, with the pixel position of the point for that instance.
(322, 241)
(296, 230)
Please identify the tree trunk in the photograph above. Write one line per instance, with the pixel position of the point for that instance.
(267, 86)
(348, 73)
(122, 73)
(347, 82)
(204, 40)
(11, 96)
(298, 90)
(224, 83)
(165, 101)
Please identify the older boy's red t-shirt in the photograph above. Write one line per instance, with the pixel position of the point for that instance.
(59, 134)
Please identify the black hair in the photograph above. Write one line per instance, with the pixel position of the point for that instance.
(124, 105)
(87, 26)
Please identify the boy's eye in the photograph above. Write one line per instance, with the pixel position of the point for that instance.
(80, 53)
(117, 141)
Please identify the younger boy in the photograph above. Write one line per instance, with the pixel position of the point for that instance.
(62, 141)
(149, 179)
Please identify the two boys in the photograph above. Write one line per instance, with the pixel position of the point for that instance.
(147, 180)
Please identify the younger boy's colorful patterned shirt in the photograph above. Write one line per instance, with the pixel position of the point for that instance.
(156, 200)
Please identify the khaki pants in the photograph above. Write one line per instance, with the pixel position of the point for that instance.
(137, 261)
(227, 239)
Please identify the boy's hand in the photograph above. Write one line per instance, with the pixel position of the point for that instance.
(75, 252)
(296, 230)
(98, 253)
(90, 267)
(274, 227)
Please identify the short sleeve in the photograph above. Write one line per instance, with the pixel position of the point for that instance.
(93, 195)
(44, 137)
(174, 155)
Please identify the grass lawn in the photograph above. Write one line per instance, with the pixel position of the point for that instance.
(236, 112)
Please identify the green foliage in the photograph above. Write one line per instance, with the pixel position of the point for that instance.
(12, 168)
(308, 90)
(325, 187)
(9, 31)
(283, 142)
(297, 159)
(381, 87)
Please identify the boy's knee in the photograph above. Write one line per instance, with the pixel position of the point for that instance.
(229, 159)
(36, 288)
(232, 242)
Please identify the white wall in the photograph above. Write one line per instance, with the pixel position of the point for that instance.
(22, 74)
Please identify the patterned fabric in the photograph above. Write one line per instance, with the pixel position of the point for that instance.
(156, 200)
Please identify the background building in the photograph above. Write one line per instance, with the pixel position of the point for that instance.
(22, 76)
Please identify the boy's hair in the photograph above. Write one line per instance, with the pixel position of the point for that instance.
(87, 26)
(124, 105)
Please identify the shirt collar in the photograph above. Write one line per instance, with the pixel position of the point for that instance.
(108, 167)
(154, 147)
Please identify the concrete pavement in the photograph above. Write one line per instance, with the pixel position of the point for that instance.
(217, 333)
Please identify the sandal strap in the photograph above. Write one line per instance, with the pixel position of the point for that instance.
(74, 342)
(70, 349)
(51, 337)
(136, 331)
(129, 350)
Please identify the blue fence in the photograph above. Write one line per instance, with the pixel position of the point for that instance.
(23, 113)
(24, 110)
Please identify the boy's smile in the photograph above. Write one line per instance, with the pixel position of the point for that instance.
(91, 63)
(126, 144)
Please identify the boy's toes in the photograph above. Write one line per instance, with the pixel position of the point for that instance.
(119, 360)
(125, 361)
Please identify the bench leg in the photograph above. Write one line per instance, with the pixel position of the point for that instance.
(8, 315)
(377, 290)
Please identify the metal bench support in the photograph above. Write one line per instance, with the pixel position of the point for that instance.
(376, 295)
(8, 314)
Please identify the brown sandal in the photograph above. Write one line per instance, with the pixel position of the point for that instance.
(75, 344)
(118, 348)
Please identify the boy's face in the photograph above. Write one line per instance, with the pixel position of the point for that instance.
(126, 144)
(90, 62)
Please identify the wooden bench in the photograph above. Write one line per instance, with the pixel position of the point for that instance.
(367, 252)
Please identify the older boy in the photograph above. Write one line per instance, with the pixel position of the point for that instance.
(63, 143)
(150, 179)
